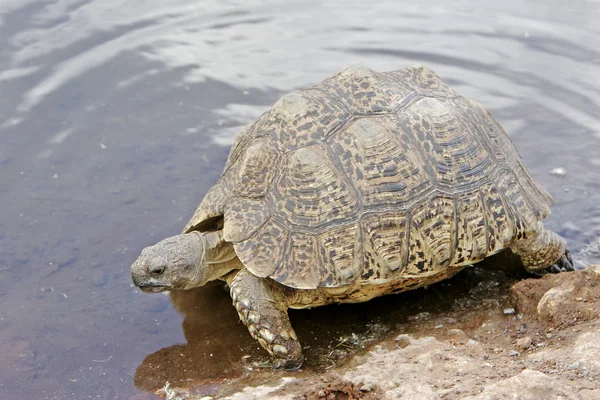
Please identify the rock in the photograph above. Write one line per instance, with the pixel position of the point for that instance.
(458, 336)
(509, 311)
(406, 380)
(422, 316)
(262, 392)
(524, 343)
(553, 298)
(552, 304)
(575, 365)
(526, 294)
(528, 385)
(366, 387)
(587, 349)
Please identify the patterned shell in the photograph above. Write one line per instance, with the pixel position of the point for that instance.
(369, 177)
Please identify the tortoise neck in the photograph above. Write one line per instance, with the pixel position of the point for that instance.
(218, 256)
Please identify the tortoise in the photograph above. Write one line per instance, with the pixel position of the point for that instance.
(364, 185)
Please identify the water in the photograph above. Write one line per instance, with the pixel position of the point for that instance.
(116, 117)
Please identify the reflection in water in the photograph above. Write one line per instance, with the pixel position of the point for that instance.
(116, 117)
(216, 343)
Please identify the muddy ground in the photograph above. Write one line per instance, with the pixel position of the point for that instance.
(501, 335)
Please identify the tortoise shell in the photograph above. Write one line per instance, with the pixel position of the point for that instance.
(369, 177)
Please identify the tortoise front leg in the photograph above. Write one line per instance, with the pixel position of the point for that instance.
(543, 252)
(262, 305)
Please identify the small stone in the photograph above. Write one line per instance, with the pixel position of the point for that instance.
(548, 336)
(513, 353)
(367, 387)
(509, 311)
(420, 316)
(575, 365)
(458, 336)
(524, 343)
(439, 326)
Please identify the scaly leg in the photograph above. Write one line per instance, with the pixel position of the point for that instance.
(543, 252)
(262, 305)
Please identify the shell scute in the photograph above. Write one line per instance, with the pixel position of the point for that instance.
(264, 251)
(456, 156)
(423, 81)
(311, 191)
(364, 91)
(301, 267)
(500, 226)
(471, 243)
(303, 118)
(383, 166)
(338, 254)
(432, 233)
(253, 173)
(243, 217)
(385, 246)
(211, 207)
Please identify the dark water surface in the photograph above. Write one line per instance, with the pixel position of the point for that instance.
(116, 118)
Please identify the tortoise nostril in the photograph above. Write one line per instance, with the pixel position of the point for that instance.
(157, 270)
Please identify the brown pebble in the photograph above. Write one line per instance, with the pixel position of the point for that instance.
(524, 343)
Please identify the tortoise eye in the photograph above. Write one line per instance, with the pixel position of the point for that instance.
(157, 270)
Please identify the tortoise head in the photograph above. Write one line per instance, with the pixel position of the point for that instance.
(172, 263)
(183, 262)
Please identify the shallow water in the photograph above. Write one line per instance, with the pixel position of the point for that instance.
(116, 118)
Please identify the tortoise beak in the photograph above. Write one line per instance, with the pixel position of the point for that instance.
(152, 287)
(149, 285)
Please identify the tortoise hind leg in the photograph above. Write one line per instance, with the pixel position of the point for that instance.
(543, 252)
(262, 306)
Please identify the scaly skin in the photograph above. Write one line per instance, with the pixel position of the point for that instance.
(262, 306)
(543, 252)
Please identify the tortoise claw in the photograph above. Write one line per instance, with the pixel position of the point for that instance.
(564, 264)
(288, 363)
